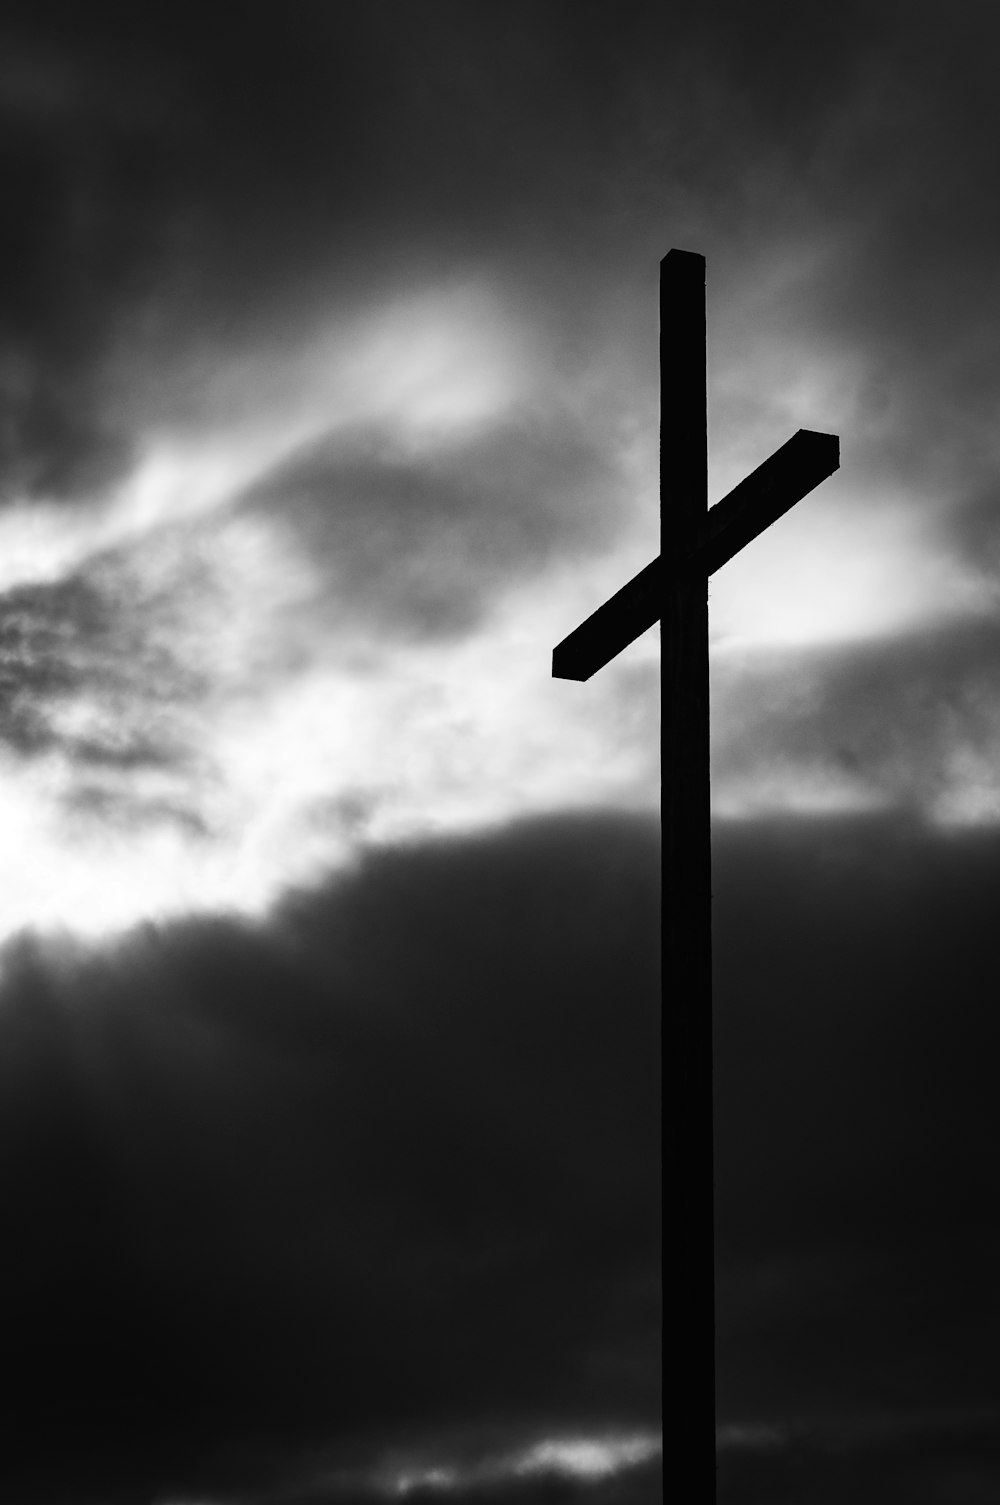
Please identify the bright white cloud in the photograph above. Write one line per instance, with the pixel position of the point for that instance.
(834, 571)
(293, 771)
(295, 736)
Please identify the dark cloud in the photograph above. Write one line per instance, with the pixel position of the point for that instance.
(82, 165)
(388, 1164)
(853, 211)
(909, 720)
(929, 1460)
(183, 183)
(856, 1044)
(178, 184)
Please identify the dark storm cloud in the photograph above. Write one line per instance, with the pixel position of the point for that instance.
(857, 1121)
(385, 1168)
(924, 1460)
(182, 183)
(857, 186)
(81, 163)
(178, 182)
(218, 166)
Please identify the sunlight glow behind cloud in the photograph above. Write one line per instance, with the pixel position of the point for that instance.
(231, 736)
(835, 569)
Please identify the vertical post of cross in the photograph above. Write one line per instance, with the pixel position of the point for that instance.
(674, 588)
(687, 1013)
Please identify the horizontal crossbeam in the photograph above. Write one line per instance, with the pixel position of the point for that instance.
(767, 494)
(612, 626)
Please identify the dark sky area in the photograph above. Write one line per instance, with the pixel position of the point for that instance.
(329, 922)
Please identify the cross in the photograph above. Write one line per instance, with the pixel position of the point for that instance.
(673, 589)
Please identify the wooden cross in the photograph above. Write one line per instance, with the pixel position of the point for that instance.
(673, 589)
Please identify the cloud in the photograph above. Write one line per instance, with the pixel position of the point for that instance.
(424, 361)
(904, 723)
(161, 220)
(195, 711)
(630, 1472)
(386, 1165)
(855, 1118)
(367, 461)
(419, 545)
(926, 1458)
(84, 672)
(322, 618)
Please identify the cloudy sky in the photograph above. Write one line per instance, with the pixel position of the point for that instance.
(329, 923)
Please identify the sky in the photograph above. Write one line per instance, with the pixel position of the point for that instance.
(329, 921)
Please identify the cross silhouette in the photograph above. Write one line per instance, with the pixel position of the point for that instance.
(673, 589)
